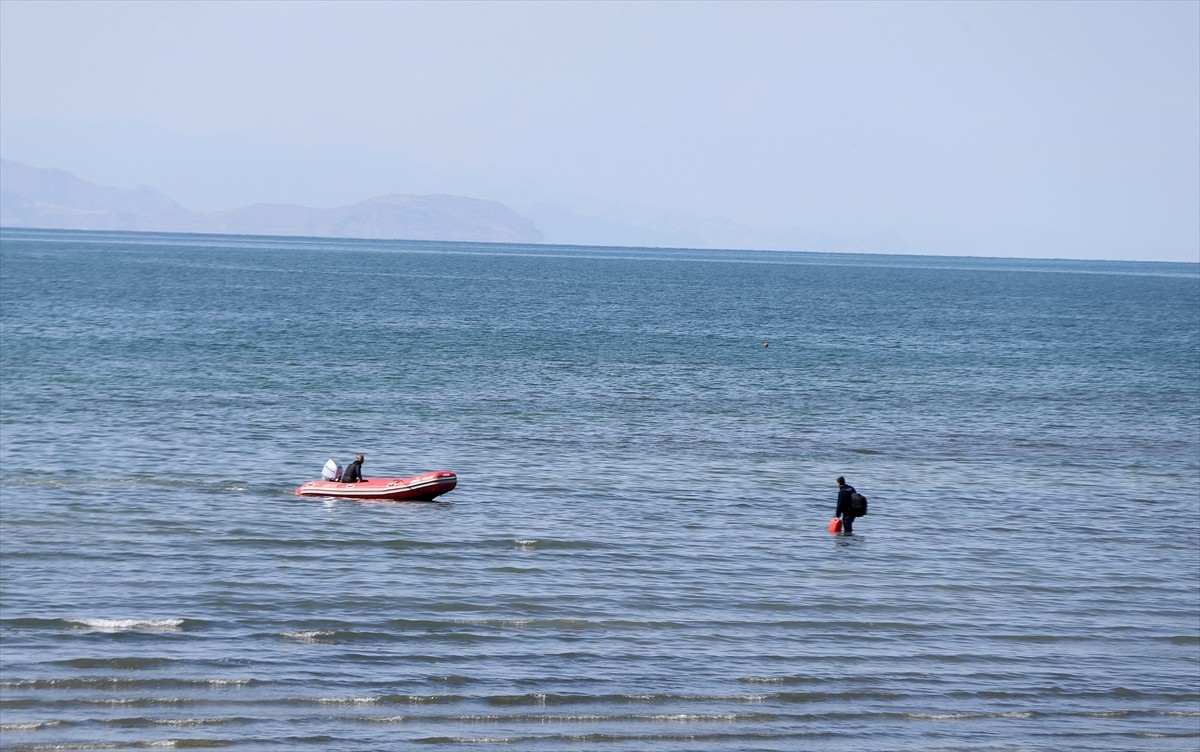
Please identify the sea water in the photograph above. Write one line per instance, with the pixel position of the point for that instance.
(637, 554)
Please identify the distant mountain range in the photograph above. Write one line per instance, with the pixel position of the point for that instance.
(38, 197)
(51, 198)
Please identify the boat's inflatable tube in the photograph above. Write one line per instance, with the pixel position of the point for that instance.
(424, 487)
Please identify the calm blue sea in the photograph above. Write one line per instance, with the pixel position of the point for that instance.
(637, 556)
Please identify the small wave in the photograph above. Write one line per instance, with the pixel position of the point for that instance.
(128, 625)
(346, 700)
(544, 718)
(30, 725)
(121, 664)
(133, 702)
(441, 740)
(72, 747)
(117, 683)
(968, 715)
(641, 739)
(420, 699)
(544, 699)
(538, 544)
(496, 622)
(683, 718)
(559, 624)
(351, 636)
(175, 722)
(97, 624)
(112, 484)
(317, 637)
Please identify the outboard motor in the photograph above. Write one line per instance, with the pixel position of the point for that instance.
(331, 471)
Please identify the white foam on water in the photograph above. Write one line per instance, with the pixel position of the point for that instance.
(347, 700)
(130, 625)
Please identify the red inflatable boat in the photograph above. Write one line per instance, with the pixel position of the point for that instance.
(424, 487)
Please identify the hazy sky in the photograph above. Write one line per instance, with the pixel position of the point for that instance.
(1073, 128)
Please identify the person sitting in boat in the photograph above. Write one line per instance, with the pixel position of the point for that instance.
(353, 472)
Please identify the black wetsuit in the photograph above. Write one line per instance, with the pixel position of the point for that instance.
(845, 508)
(353, 473)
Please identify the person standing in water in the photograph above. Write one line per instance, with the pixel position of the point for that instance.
(353, 473)
(845, 509)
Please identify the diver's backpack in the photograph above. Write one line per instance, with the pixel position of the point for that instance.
(858, 504)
